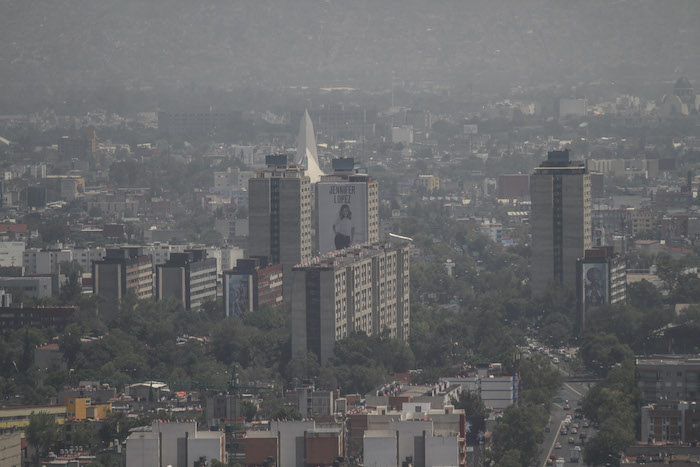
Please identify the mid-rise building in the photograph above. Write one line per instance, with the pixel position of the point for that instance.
(362, 289)
(123, 270)
(560, 191)
(82, 146)
(601, 279)
(668, 378)
(38, 261)
(416, 434)
(669, 389)
(250, 285)
(188, 277)
(428, 182)
(347, 207)
(280, 213)
(31, 286)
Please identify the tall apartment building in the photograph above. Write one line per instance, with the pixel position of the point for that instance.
(189, 277)
(347, 207)
(122, 270)
(601, 279)
(361, 289)
(560, 191)
(280, 213)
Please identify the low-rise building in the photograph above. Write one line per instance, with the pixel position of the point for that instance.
(294, 443)
(173, 444)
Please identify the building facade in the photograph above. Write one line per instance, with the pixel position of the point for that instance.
(347, 207)
(601, 279)
(280, 213)
(250, 285)
(189, 277)
(560, 191)
(362, 289)
(123, 270)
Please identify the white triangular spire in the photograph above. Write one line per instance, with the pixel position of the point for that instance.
(307, 156)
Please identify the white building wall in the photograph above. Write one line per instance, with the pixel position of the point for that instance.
(142, 450)
(408, 431)
(379, 450)
(291, 441)
(442, 451)
(11, 253)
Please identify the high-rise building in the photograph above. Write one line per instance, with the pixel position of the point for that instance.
(347, 207)
(560, 191)
(601, 279)
(189, 277)
(361, 289)
(280, 213)
(122, 270)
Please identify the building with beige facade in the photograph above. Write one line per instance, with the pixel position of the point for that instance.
(360, 289)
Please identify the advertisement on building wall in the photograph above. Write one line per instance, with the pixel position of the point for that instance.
(342, 215)
(595, 286)
(237, 293)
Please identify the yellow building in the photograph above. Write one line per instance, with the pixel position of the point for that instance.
(82, 408)
(19, 416)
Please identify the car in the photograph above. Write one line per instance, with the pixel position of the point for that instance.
(582, 435)
(577, 448)
(547, 429)
(557, 445)
(550, 462)
(571, 440)
(574, 430)
(564, 432)
(567, 406)
(586, 424)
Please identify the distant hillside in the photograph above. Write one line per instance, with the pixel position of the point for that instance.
(50, 45)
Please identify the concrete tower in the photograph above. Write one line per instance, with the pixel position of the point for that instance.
(560, 190)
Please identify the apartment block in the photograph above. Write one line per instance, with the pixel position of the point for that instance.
(123, 270)
(189, 277)
(361, 289)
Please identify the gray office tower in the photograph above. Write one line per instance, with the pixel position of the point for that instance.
(560, 190)
(280, 213)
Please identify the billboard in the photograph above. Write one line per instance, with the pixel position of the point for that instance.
(595, 285)
(342, 215)
(237, 294)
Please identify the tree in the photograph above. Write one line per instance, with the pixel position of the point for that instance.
(601, 351)
(644, 295)
(42, 432)
(475, 413)
(71, 290)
